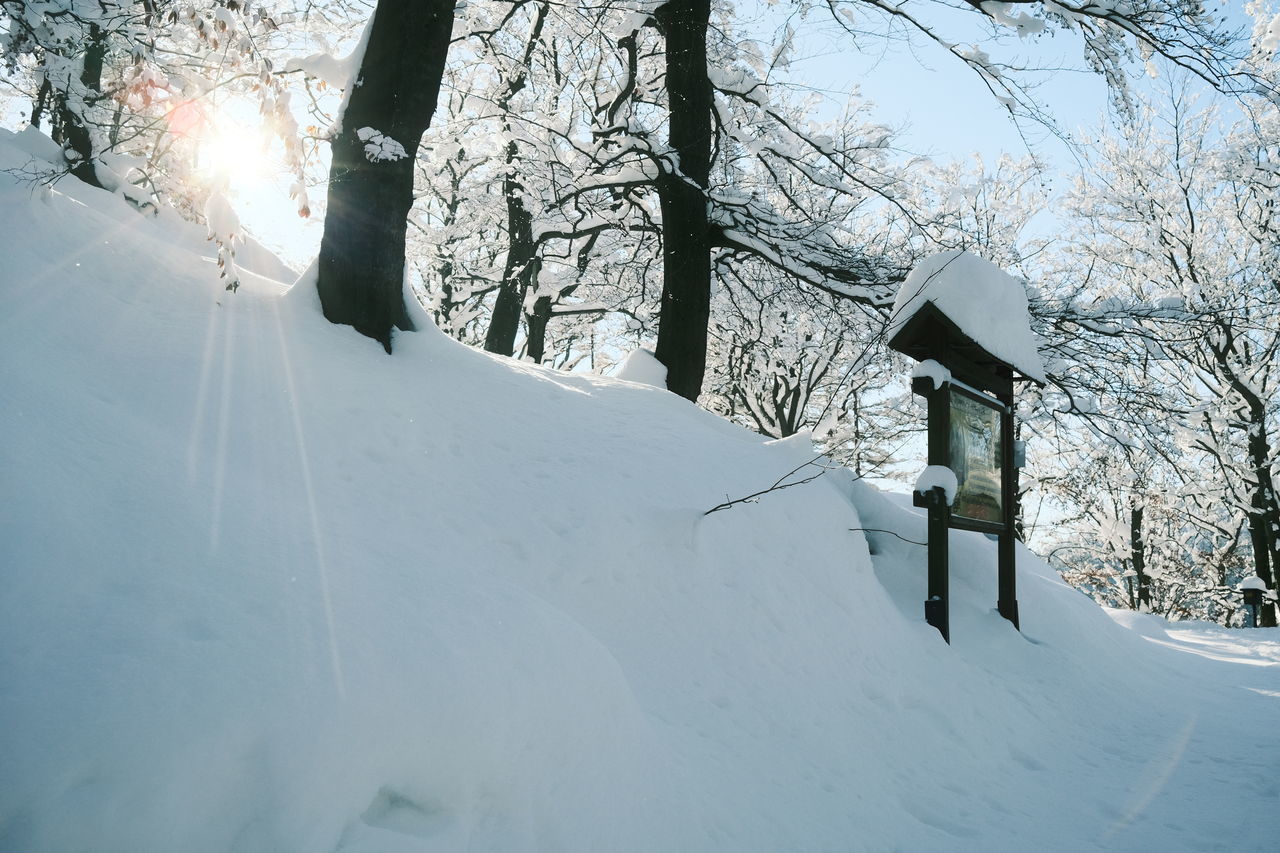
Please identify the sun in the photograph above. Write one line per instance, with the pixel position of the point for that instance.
(234, 153)
(235, 156)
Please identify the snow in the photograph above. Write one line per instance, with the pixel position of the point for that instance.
(640, 365)
(1026, 24)
(630, 23)
(1269, 44)
(225, 18)
(1253, 582)
(933, 371)
(221, 218)
(378, 147)
(264, 587)
(32, 142)
(340, 73)
(938, 477)
(988, 304)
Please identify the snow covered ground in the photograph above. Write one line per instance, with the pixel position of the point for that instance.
(265, 588)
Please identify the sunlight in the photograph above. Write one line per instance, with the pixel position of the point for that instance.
(235, 153)
(230, 145)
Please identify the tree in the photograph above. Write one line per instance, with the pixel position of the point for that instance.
(519, 274)
(69, 43)
(389, 107)
(1173, 331)
(785, 358)
(514, 230)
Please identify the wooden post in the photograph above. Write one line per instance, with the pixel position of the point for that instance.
(1007, 602)
(937, 607)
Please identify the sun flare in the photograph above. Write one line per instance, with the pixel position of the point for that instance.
(234, 153)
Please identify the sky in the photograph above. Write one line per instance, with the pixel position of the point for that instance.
(943, 109)
(940, 107)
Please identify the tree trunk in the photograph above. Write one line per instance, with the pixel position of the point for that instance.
(69, 126)
(686, 236)
(1263, 515)
(40, 104)
(519, 275)
(1138, 558)
(520, 272)
(536, 321)
(361, 265)
(447, 305)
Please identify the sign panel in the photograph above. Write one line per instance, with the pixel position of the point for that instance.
(976, 454)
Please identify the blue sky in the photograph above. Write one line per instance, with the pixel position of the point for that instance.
(940, 106)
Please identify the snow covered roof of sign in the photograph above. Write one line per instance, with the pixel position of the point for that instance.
(987, 304)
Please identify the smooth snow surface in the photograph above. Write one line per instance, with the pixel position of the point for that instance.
(264, 587)
(988, 304)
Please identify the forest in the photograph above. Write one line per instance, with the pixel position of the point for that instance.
(562, 183)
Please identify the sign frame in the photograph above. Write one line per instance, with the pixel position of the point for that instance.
(980, 377)
(959, 518)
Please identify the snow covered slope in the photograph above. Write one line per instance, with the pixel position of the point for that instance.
(265, 588)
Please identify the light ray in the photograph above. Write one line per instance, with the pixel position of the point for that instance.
(317, 543)
(1163, 772)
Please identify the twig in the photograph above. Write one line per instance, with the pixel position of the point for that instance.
(890, 532)
(776, 487)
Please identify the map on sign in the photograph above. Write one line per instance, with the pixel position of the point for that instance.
(975, 458)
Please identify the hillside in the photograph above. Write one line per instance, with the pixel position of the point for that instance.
(266, 588)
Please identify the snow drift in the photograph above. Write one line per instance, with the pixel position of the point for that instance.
(267, 588)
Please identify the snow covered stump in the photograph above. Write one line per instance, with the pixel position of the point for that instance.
(965, 320)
